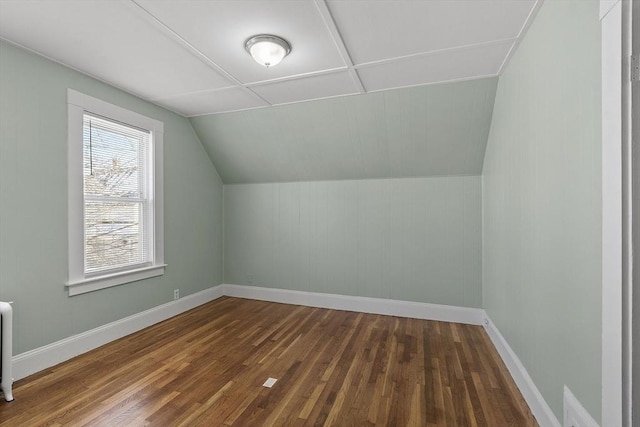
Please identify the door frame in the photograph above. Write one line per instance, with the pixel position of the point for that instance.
(617, 198)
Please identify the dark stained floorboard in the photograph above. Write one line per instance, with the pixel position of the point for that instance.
(206, 367)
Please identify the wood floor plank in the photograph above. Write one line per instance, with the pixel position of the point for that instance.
(206, 367)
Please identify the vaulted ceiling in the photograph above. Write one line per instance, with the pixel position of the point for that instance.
(422, 131)
(400, 88)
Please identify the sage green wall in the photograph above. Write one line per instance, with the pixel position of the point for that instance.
(33, 206)
(415, 239)
(542, 204)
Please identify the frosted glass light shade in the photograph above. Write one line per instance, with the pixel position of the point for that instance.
(267, 50)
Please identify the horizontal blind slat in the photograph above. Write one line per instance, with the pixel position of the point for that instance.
(116, 194)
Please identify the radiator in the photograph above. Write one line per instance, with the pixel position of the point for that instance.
(6, 343)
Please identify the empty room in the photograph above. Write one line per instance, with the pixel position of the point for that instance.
(317, 212)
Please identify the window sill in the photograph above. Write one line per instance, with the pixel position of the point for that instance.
(95, 283)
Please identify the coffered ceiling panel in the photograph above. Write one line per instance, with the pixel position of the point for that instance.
(381, 30)
(109, 40)
(454, 64)
(181, 53)
(220, 28)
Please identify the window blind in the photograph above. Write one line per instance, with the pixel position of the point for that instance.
(116, 194)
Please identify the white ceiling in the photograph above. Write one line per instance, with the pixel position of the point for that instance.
(188, 55)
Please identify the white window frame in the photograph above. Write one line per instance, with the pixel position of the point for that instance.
(78, 104)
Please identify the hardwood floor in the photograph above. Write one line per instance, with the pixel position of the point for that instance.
(206, 367)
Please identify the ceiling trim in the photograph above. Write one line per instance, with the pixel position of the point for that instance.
(261, 83)
(195, 92)
(238, 110)
(439, 82)
(246, 86)
(527, 23)
(342, 95)
(297, 76)
(330, 23)
(462, 79)
(432, 52)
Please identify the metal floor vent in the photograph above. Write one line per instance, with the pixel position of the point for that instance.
(269, 382)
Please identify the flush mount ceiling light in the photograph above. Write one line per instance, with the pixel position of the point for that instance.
(266, 49)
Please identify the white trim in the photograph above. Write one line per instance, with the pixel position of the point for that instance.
(539, 407)
(94, 283)
(574, 413)
(44, 357)
(416, 310)
(49, 355)
(474, 316)
(114, 112)
(330, 23)
(612, 214)
(75, 206)
(157, 197)
(606, 6)
(523, 31)
(6, 384)
(628, 10)
(77, 104)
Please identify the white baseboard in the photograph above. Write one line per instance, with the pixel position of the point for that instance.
(44, 357)
(539, 407)
(474, 316)
(574, 413)
(35, 360)
(416, 310)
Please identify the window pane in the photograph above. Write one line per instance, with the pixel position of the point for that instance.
(114, 158)
(113, 235)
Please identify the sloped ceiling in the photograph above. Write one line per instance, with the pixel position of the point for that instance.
(372, 89)
(420, 131)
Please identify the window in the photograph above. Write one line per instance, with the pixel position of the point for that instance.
(115, 195)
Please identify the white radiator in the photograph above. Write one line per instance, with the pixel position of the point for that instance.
(6, 372)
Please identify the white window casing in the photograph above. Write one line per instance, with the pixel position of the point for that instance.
(85, 275)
